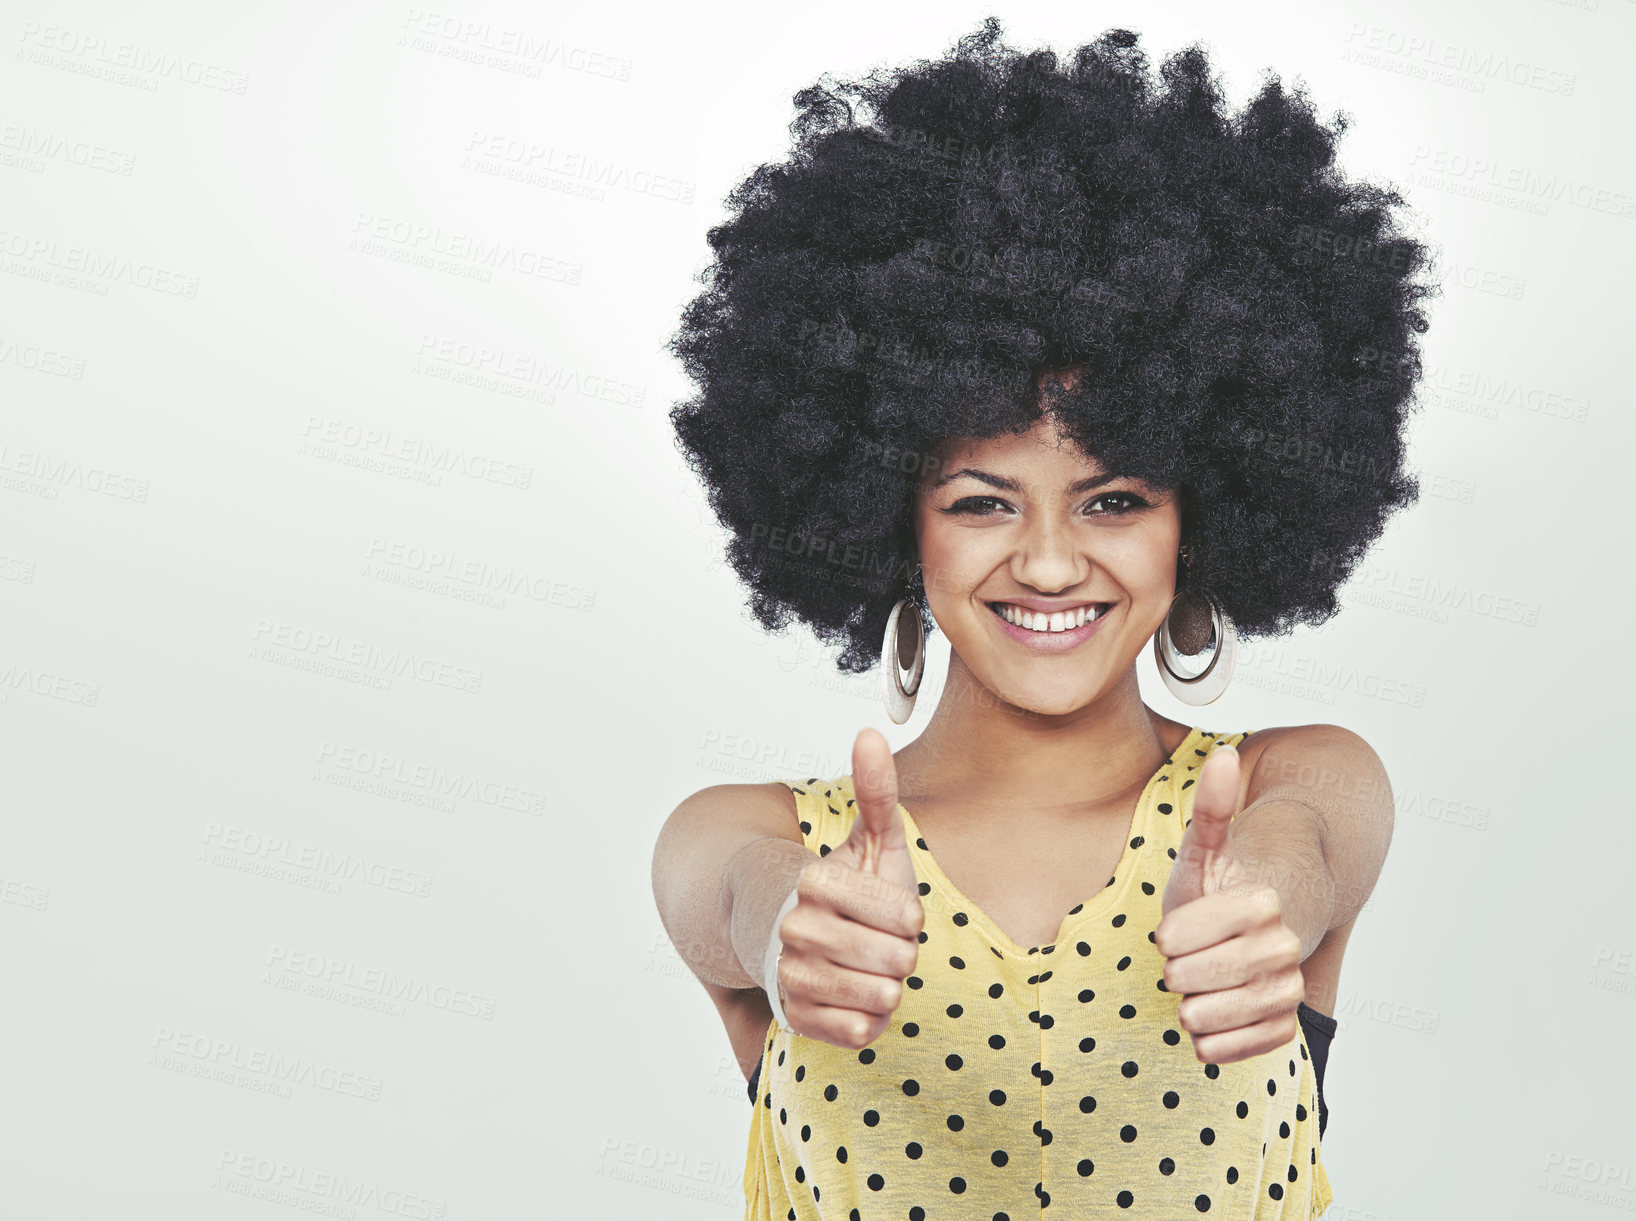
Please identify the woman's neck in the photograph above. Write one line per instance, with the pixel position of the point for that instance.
(986, 748)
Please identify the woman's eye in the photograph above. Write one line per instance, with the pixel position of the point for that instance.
(982, 506)
(977, 506)
(1131, 502)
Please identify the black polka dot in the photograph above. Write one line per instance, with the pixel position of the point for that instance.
(1127, 1133)
(956, 1123)
(1207, 1136)
(954, 1011)
(1172, 1099)
(1202, 1204)
(957, 1184)
(1124, 1199)
(1167, 1165)
(1085, 1167)
(911, 1087)
(876, 1182)
(913, 1149)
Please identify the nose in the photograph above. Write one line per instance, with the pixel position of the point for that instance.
(1048, 556)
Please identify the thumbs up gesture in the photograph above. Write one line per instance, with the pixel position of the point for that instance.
(1228, 950)
(853, 935)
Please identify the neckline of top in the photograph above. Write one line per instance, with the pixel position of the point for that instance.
(1081, 912)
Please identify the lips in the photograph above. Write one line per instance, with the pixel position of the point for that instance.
(1046, 641)
(1049, 622)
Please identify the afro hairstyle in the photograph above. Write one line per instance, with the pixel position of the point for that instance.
(942, 234)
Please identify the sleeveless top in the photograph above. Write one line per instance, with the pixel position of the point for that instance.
(1013, 1080)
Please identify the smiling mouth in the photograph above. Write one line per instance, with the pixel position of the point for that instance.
(1056, 621)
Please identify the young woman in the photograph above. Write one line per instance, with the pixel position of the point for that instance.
(1063, 363)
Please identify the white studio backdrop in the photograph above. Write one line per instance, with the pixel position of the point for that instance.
(360, 623)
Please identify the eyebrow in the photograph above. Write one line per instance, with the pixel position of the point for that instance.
(1011, 485)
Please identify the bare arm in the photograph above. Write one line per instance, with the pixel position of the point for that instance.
(724, 862)
(1318, 821)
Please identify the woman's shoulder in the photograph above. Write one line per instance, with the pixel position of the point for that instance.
(1295, 737)
(769, 807)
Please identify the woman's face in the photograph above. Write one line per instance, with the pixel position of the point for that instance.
(1023, 521)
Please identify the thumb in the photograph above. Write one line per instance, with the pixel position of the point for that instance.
(1204, 843)
(877, 834)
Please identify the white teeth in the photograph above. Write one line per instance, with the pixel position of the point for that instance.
(1057, 621)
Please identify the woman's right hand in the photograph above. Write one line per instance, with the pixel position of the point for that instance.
(853, 934)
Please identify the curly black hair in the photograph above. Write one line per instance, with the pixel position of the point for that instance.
(1244, 318)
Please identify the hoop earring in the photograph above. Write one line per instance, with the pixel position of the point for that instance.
(900, 699)
(1200, 624)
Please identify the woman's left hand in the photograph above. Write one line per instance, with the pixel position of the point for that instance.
(1229, 952)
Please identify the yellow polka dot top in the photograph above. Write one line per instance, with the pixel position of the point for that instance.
(1013, 1081)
